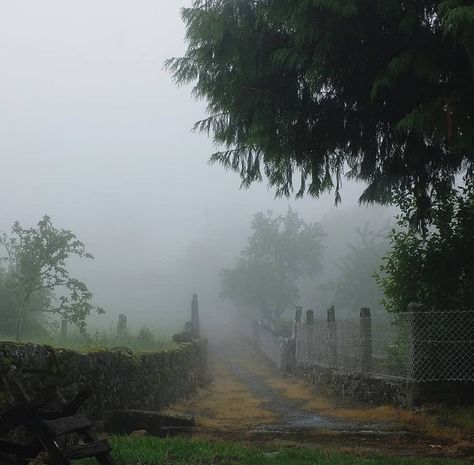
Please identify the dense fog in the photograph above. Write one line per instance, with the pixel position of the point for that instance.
(95, 134)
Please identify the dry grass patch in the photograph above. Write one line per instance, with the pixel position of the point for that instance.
(423, 422)
(226, 404)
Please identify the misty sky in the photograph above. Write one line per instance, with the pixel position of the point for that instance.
(94, 133)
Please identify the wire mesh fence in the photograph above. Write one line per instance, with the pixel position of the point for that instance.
(441, 345)
(417, 346)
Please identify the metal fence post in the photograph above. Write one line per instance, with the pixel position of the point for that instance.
(332, 337)
(366, 364)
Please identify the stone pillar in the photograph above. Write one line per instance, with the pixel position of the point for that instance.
(195, 333)
(122, 326)
(310, 343)
(64, 328)
(298, 314)
(365, 340)
(332, 337)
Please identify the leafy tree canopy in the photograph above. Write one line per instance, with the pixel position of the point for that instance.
(381, 91)
(280, 250)
(36, 265)
(437, 269)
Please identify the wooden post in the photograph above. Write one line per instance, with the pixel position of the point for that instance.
(332, 337)
(195, 317)
(365, 340)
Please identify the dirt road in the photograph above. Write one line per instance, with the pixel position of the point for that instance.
(249, 400)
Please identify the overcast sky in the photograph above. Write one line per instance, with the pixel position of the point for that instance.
(94, 133)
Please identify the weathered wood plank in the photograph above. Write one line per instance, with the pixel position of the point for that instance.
(14, 416)
(68, 408)
(83, 451)
(127, 421)
(62, 426)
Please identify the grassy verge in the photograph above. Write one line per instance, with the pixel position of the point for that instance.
(154, 451)
(136, 341)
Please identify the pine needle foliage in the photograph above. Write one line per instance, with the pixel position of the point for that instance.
(306, 92)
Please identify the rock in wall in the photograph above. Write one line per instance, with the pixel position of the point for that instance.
(119, 379)
(370, 389)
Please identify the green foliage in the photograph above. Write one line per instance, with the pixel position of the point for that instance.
(381, 91)
(436, 269)
(35, 322)
(178, 451)
(280, 250)
(99, 340)
(36, 265)
(143, 340)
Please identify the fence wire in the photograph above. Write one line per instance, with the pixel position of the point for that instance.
(418, 346)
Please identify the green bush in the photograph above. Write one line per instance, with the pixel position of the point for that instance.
(433, 267)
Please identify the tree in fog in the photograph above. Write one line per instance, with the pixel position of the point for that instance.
(36, 265)
(356, 285)
(280, 250)
(35, 324)
(305, 92)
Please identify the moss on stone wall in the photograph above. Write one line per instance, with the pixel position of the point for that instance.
(119, 379)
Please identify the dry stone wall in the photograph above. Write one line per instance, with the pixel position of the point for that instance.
(119, 379)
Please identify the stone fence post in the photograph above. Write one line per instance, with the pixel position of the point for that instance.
(195, 333)
(365, 340)
(122, 324)
(332, 336)
(310, 347)
(298, 314)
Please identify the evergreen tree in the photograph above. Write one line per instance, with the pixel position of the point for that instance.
(380, 91)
